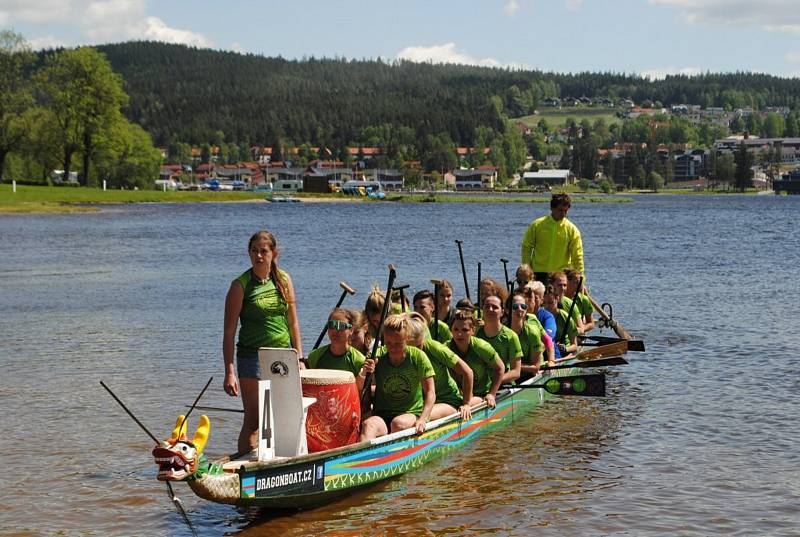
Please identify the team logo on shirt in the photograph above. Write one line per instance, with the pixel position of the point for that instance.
(397, 387)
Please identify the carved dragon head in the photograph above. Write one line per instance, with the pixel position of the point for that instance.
(178, 458)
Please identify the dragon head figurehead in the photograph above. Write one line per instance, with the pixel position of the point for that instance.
(178, 458)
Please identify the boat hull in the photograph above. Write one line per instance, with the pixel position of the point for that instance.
(315, 479)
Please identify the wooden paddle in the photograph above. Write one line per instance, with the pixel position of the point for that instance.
(633, 344)
(368, 380)
(463, 269)
(347, 290)
(585, 364)
(593, 385)
(603, 351)
(615, 325)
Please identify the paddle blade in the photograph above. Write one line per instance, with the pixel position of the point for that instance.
(596, 341)
(582, 385)
(603, 351)
(601, 362)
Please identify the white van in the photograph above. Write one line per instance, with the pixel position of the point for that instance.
(167, 184)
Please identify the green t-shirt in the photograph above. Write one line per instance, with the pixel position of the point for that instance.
(480, 358)
(398, 389)
(530, 339)
(585, 305)
(572, 329)
(505, 342)
(443, 360)
(263, 318)
(566, 303)
(323, 358)
(443, 335)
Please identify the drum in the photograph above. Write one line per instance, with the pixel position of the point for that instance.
(335, 419)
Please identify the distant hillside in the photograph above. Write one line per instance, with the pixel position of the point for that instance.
(179, 93)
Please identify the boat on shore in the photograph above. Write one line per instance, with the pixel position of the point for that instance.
(304, 480)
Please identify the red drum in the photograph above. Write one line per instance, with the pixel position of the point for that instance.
(334, 420)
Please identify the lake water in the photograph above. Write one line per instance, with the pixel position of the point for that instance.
(697, 436)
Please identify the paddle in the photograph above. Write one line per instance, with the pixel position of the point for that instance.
(633, 344)
(346, 290)
(584, 385)
(505, 270)
(478, 305)
(463, 269)
(139, 423)
(401, 289)
(368, 380)
(585, 364)
(571, 309)
(219, 409)
(608, 319)
(603, 351)
(436, 285)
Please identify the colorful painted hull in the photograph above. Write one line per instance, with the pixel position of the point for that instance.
(314, 479)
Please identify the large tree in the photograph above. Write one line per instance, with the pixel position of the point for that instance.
(15, 93)
(744, 174)
(85, 96)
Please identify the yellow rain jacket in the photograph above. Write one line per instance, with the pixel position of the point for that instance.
(550, 246)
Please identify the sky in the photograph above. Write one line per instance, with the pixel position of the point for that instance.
(648, 37)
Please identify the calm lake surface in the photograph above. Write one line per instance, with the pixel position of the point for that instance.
(698, 436)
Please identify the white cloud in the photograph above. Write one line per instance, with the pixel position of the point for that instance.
(793, 57)
(34, 11)
(446, 53)
(99, 21)
(237, 47)
(511, 7)
(661, 73)
(771, 15)
(157, 30)
(574, 4)
(45, 42)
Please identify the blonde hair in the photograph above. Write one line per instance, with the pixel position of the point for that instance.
(397, 323)
(416, 328)
(375, 300)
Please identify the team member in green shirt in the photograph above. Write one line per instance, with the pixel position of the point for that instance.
(559, 282)
(403, 379)
(530, 337)
(423, 304)
(584, 305)
(501, 338)
(552, 242)
(339, 354)
(566, 331)
(263, 300)
(487, 367)
(449, 399)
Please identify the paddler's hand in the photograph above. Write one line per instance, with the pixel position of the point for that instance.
(466, 412)
(231, 385)
(490, 400)
(419, 425)
(369, 366)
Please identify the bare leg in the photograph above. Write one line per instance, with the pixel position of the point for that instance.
(441, 410)
(403, 421)
(372, 427)
(248, 436)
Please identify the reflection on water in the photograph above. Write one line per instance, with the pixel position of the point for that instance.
(696, 437)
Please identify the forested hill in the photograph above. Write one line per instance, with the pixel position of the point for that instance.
(178, 93)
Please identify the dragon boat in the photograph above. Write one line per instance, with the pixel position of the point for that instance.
(281, 474)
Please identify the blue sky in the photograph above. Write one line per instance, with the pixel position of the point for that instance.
(651, 37)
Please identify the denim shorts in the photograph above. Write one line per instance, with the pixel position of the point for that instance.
(248, 367)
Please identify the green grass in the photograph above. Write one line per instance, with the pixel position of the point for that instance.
(558, 117)
(79, 199)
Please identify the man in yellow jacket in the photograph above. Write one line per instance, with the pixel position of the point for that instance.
(553, 243)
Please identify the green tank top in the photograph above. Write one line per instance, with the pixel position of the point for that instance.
(263, 319)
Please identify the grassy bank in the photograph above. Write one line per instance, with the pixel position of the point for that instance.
(49, 199)
(557, 117)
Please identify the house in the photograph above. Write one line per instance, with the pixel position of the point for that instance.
(789, 182)
(484, 177)
(319, 179)
(552, 102)
(548, 178)
(789, 147)
(690, 164)
(389, 179)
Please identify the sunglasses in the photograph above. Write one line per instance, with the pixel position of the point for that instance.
(339, 325)
(519, 306)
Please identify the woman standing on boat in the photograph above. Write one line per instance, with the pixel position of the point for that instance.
(263, 300)
(339, 354)
(404, 388)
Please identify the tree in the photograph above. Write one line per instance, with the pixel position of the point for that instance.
(726, 168)
(126, 157)
(15, 93)
(654, 181)
(85, 96)
(744, 174)
(774, 125)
